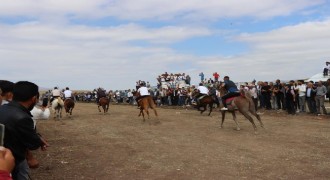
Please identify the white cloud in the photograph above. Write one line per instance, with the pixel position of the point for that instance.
(51, 51)
(155, 9)
(62, 55)
(291, 52)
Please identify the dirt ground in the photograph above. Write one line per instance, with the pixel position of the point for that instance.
(184, 145)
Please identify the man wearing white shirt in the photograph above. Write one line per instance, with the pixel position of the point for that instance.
(67, 93)
(202, 91)
(302, 95)
(326, 69)
(143, 92)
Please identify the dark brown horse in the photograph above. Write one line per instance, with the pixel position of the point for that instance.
(244, 104)
(68, 106)
(204, 101)
(104, 102)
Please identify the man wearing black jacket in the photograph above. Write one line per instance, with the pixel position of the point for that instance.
(20, 134)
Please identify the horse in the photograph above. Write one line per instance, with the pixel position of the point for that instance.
(68, 106)
(204, 101)
(244, 104)
(144, 103)
(104, 102)
(57, 106)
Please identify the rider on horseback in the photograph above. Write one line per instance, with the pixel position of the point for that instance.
(202, 91)
(67, 93)
(143, 91)
(55, 94)
(100, 94)
(232, 91)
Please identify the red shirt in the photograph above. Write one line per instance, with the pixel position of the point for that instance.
(216, 75)
(4, 175)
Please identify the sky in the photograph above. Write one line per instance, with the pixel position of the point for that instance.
(85, 44)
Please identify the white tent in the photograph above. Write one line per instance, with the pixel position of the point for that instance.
(318, 77)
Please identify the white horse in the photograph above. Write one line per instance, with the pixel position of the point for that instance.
(57, 106)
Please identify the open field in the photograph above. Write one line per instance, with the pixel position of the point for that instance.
(184, 145)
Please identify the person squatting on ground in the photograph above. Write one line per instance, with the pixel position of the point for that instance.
(20, 134)
(232, 91)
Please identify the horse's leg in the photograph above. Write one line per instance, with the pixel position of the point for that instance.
(204, 108)
(235, 120)
(223, 115)
(104, 109)
(143, 115)
(60, 112)
(258, 117)
(245, 113)
(211, 107)
(147, 112)
(98, 107)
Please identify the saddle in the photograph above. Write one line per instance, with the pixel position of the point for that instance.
(200, 98)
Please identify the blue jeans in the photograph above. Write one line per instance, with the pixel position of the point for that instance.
(21, 171)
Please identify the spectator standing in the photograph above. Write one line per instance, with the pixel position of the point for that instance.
(321, 91)
(289, 99)
(202, 76)
(20, 135)
(266, 94)
(302, 95)
(254, 94)
(279, 94)
(130, 96)
(273, 90)
(216, 76)
(188, 79)
(328, 89)
(310, 98)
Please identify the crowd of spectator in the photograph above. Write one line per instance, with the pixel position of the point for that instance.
(175, 89)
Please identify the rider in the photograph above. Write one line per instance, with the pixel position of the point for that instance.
(55, 94)
(100, 94)
(202, 91)
(232, 91)
(143, 92)
(67, 93)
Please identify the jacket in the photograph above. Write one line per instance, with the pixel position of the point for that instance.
(20, 134)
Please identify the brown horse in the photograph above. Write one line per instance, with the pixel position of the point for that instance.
(145, 103)
(104, 102)
(244, 104)
(205, 101)
(68, 106)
